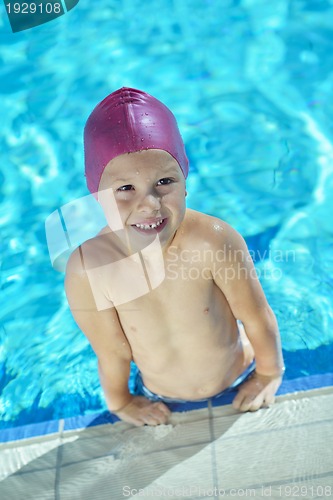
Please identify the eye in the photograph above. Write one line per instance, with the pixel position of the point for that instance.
(127, 187)
(165, 181)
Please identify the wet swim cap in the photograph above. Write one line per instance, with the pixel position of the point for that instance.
(126, 121)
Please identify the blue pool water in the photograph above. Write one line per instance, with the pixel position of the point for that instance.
(250, 83)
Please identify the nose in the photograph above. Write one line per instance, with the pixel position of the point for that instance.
(150, 202)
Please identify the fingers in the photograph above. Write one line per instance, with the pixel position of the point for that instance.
(257, 392)
(245, 403)
(248, 402)
(155, 414)
(144, 412)
(269, 400)
(163, 408)
(252, 404)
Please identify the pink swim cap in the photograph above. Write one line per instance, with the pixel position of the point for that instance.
(126, 121)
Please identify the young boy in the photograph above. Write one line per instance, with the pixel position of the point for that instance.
(170, 288)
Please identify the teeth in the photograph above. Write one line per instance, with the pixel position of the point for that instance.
(150, 226)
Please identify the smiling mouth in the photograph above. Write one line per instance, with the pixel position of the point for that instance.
(154, 225)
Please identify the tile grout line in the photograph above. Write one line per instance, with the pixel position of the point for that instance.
(59, 460)
(213, 447)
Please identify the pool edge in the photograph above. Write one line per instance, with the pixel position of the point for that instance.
(56, 427)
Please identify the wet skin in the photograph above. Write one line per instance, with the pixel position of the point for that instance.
(183, 334)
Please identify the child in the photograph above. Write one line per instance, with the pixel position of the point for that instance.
(170, 288)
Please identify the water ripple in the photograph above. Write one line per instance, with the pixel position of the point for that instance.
(250, 84)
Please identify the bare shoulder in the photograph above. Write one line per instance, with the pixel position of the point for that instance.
(77, 282)
(74, 264)
(210, 230)
(89, 254)
(77, 287)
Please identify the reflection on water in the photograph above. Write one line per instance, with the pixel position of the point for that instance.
(250, 82)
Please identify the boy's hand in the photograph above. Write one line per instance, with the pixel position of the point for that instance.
(140, 411)
(257, 392)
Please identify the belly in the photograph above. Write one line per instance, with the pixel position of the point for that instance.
(196, 376)
(185, 342)
(159, 342)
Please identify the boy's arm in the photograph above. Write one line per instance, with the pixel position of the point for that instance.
(106, 336)
(239, 283)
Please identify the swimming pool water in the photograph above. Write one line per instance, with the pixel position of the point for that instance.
(250, 83)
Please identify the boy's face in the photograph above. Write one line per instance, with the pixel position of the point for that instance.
(149, 189)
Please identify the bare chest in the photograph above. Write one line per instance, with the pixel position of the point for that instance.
(180, 311)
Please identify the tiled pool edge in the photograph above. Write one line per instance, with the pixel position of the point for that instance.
(81, 422)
